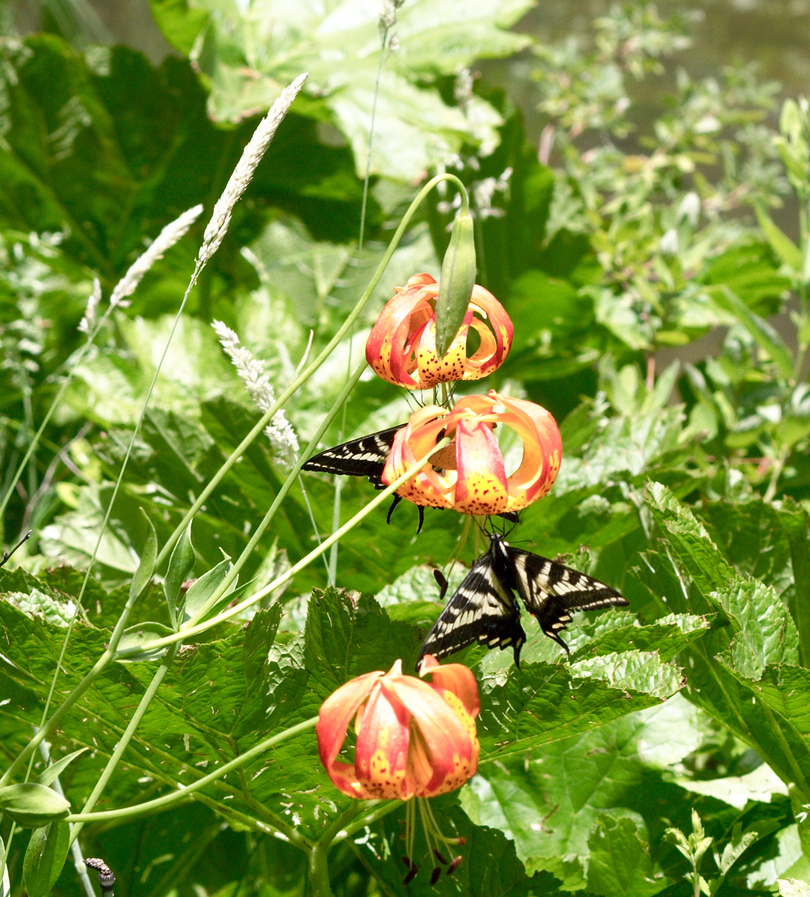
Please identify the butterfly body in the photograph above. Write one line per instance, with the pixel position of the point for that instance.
(484, 608)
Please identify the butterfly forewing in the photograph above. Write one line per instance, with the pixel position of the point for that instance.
(551, 591)
(483, 609)
(363, 457)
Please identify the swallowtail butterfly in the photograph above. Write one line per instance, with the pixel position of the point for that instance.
(366, 457)
(484, 608)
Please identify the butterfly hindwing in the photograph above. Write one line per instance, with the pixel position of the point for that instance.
(363, 457)
(484, 608)
(552, 591)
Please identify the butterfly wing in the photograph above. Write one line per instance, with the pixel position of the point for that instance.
(483, 610)
(552, 591)
(363, 457)
(366, 457)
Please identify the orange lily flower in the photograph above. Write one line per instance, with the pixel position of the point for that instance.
(414, 738)
(401, 347)
(469, 474)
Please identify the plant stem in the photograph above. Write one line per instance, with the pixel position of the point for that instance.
(319, 884)
(310, 370)
(167, 800)
(185, 633)
(125, 739)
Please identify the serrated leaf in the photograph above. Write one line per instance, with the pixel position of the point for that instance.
(668, 636)
(548, 800)
(52, 772)
(766, 633)
(689, 540)
(181, 564)
(546, 702)
(32, 805)
(620, 864)
(146, 565)
(45, 857)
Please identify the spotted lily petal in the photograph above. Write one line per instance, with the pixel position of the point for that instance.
(477, 482)
(402, 345)
(414, 738)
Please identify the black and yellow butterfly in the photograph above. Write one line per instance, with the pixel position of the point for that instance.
(366, 457)
(484, 609)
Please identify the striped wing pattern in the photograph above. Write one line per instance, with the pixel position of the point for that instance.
(363, 457)
(484, 608)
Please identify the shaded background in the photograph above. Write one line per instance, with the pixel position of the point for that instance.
(775, 33)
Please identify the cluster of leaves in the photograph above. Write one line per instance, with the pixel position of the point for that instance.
(672, 754)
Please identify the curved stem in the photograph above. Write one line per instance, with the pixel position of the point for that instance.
(378, 809)
(167, 800)
(288, 574)
(125, 739)
(310, 370)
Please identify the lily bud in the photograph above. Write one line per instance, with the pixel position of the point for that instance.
(458, 279)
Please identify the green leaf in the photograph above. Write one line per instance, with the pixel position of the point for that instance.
(53, 771)
(5, 883)
(766, 633)
(620, 864)
(146, 565)
(203, 588)
(760, 330)
(339, 45)
(45, 857)
(141, 634)
(181, 564)
(668, 636)
(550, 799)
(32, 805)
(781, 244)
(546, 702)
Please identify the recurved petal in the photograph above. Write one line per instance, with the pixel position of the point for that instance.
(337, 712)
(482, 486)
(448, 734)
(411, 444)
(381, 756)
(542, 450)
(455, 678)
(391, 344)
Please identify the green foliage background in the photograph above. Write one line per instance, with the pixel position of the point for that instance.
(684, 486)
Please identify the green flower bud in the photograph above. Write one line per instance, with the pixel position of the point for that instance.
(32, 805)
(457, 282)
